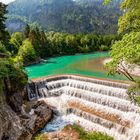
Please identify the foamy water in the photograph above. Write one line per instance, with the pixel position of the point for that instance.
(96, 105)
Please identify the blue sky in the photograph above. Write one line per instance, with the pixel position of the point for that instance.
(6, 1)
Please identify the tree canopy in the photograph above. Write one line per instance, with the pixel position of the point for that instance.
(128, 49)
(69, 16)
(4, 35)
(126, 52)
(12, 75)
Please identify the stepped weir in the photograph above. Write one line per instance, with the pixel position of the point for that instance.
(96, 105)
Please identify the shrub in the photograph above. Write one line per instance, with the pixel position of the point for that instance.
(90, 135)
(104, 48)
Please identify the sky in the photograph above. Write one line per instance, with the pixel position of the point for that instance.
(6, 1)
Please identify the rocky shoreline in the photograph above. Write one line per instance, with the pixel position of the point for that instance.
(24, 123)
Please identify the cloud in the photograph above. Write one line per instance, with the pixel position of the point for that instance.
(6, 1)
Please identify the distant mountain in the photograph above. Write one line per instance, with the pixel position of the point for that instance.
(72, 16)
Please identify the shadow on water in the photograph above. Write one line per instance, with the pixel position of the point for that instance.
(46, 61)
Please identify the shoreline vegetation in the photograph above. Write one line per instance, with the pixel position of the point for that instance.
(34, 44)
(46, 59)
(135, 70)
(73, 132)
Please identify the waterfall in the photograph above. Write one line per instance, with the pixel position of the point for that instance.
(96, 105)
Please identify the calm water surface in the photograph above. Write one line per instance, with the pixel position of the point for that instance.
(82, 64)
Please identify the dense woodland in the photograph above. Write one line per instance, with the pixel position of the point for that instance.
(34, 44)
(12, 75)
(79, 16)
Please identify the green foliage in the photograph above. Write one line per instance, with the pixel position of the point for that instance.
(130, 21)
(137, 100)
(128, 50)
(41, 137)
(4, 35)
(17, 17)
(15, 42)
(34, 43)
(90, 135)
(61, 43)
(70, 16)
(27, 52)
(104, 48)
(134, 92)
(27, 31)
(39, 41)
(14, 73)
(3, 50)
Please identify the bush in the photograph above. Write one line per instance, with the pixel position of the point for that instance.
(104, 48)
(134, 92)
(41, 137)
(13, 73)
(138, 100)
(90, 135)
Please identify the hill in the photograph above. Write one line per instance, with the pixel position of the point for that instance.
(72, 16)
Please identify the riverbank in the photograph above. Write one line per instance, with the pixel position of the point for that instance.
(135, 70)
(85, 65)
(73, 132)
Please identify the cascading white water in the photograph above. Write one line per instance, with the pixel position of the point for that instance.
(94, 104)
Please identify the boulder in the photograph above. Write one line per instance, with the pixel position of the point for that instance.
(23, 126)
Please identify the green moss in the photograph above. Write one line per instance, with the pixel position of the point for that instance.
(138, 100)
(90, 135)
(41, 137)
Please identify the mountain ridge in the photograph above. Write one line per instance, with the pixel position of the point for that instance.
(70, 16)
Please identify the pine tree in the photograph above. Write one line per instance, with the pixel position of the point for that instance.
(27, 31)
(4, 35)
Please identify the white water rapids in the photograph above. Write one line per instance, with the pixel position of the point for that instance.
(96, 105)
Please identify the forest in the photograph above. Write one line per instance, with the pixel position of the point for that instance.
(79, 16)
(34, 44)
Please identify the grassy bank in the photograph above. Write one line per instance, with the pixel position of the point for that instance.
(74, 132)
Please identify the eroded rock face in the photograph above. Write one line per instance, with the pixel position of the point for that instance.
(10, 125)
(23, 126)
(39, 115)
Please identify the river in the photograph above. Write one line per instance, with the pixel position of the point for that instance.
(80, 64)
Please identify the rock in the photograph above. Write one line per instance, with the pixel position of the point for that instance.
(42, 113)
(23, 126)
(66, 134)
(10, 125)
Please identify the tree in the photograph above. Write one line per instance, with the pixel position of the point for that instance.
(40, 42)
(126, 53)
(15, 42)
(71, 44)
(130, 21)
(27, 52)
(134, 92)
(3, 51)
(12, 76)
(27, 31)
(4, 35)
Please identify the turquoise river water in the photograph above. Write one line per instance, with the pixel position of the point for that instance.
(80, 64)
